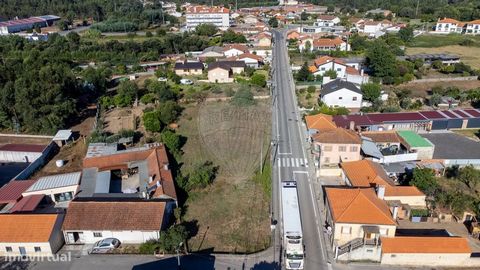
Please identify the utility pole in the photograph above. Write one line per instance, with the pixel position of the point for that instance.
(416, 9)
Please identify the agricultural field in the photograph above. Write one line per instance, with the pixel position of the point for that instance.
(232, 214)
(438, 40)
(468, 55)
(423, 89)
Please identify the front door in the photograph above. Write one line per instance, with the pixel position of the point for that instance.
(22, 250)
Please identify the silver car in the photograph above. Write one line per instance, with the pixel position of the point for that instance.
(105, 245)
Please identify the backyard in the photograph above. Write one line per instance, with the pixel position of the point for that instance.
(232, 214)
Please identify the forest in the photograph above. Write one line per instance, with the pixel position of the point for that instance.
(42, 88)
(429, 10)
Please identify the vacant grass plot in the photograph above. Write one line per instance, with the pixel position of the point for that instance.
(437, 40)
(468, 55)
(233, 213)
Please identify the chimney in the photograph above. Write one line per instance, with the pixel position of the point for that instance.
(165, 167)
(395, 212)
(381, 191)
(150, 179)
(361, 71)
(352, 125)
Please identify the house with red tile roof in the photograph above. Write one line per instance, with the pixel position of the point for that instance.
(348, 73)
(473, 27)
(198, 14)
(332, 146)
(132, 221)
(319, 123)
(356, 218)
(448, 25)
(427, 250)
(366, 173)
(327, 44)
(30, 234)
(141, 172)
(234, 49)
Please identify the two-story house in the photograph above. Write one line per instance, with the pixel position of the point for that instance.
(356, 218)
(330, 147)
(448, 25)
(341, 93)
(473, 28)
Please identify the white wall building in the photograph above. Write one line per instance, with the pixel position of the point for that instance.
(61, 188)
(218, 16)
(340, 93)
(30, 234)
(21, 152)
(473, 28)
(132, 222)
(447, 26)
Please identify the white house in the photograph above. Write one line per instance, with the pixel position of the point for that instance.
(234, 49)
(61, 188)
(473, 28)
(344, 70)
(30, 234)
(371, 27)
(327, 20)
(218, 16)
(326, 44)
(21, 152)
(340, 93)
(250, 19)
(448, 25)
(131, 221)
(251, 60)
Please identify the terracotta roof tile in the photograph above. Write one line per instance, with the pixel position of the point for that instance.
(326, 42)
(337, 135)
(250, 55)
(26, 228)
(474, 22)
(325, 59)
(320, 122)
(425, 245)
(239, 47)
(366, 173)
(448, 20)
(23, 147)
(206, 9)
(382, 136)
(312, 69)
(359, 206)
(12, 191)
(115, 216)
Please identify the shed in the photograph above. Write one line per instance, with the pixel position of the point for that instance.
(60, 187)
(62, 137)
(416, 143)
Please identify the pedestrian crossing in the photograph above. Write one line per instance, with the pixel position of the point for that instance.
(293, 162)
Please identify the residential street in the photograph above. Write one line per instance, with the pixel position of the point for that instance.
(291, 160)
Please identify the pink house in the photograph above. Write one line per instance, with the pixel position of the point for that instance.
(334, 146)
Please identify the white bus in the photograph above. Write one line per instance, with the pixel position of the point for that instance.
(292, 227)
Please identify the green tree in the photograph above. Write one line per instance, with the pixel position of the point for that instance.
(406, 34)
(169, 111)
(230, 36)
(258, 79)
(206, 29)
(304, 73)
(380, 59)
(330, 73)
(162, 90)
(470, 176)
(371, 91)
(127, 92)
(172, 141)
(202, 175)
(424, 179)
(273, 22)
(243, 97)
(304, 16)
(151, 121)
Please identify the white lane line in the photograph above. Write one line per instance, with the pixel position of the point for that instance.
(287, 162)
(305, 162)
(293, 162)
(297, 163)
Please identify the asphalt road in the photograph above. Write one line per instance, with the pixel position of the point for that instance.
(290, 159)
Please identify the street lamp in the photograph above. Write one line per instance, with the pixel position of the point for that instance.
(178, 255)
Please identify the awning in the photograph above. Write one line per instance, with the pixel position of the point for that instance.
(371, 229)
(370, 148)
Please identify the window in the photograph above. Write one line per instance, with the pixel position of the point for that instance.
(354, 98)
(353, 148)
(339, 69)
(342, 148)
(322, 69)
(8, 249)
(346, 230)
(393, 256)
(327, 148)
(97, 234)
(62, 197)
(38, 249)
(340, 97)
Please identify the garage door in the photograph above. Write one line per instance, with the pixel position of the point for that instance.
(473, 123)
(455, 123)
(439, 125)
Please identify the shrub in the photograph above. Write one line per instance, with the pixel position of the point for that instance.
(148, 98)
(258, 79)
(311, 89)
(243, 97)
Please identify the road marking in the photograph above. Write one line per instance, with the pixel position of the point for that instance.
(292, 162)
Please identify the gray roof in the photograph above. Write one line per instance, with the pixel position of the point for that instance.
(449, 145)
(227, 65)
(216, 49)
(338, 84)
(56, 181)
(189, 65)
(370, 148)
(63, 135)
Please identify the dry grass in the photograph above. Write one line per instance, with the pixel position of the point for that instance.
(470, 133)
(123, 118)
(422, 89)
(233, 213)
(468, 55)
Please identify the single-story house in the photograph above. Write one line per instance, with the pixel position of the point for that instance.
(21, 152)
(132, 221)
(61, 188)
(188, 68)
(30, 234)
(423, 250)
(222, 71)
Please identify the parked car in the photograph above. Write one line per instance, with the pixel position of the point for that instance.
(105, 245)
(186, 81)
(162, 79)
